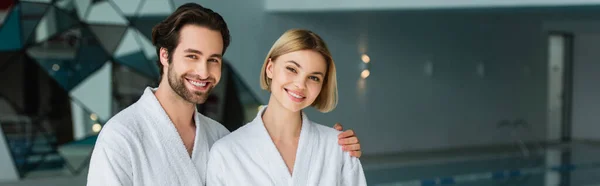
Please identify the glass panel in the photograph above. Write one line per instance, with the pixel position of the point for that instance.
(109, 36)
(6, 8)
(156, 8)
(67, 20)
(31, 15)
(105, 13)
(67, 5)
(70, 57)
(145, 23)
(151, 13)
(90, 57)
(138, 62)
(37, 1)
(94, 93)
(98, 1)
(128, 86)
(131, 54)
(59, 70)
(128, 8)
(82, 7)
(128, 44)
(147, 47)
(10, 31)
(76, 153)
(46, 27)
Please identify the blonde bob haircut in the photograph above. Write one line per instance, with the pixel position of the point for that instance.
(296, 40)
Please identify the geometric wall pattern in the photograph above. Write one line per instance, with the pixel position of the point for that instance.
(71, 39)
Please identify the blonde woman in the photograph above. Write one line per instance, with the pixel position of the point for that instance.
(281, 146)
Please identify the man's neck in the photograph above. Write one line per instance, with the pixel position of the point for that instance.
(180, 111)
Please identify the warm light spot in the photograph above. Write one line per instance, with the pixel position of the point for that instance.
(365, 73)
(365, 58)
(96, 127)
(94, 117)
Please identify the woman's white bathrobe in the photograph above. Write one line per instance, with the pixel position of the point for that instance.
(248, 156)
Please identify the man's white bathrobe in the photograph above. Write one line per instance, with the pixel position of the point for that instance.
(140, 146)
(248, 156)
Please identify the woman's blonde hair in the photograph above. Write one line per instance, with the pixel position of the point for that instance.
(296, 40)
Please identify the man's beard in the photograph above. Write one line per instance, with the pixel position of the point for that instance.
(178, 85)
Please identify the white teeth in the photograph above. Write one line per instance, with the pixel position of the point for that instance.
(198, 84)
(295, 95)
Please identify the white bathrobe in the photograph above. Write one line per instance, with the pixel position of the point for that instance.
(140, 146)
(248, 156)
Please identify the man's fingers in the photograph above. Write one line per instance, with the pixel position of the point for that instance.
(356, 154)
(346, 134)
(338, 127)
(348, 141)
(355, 147)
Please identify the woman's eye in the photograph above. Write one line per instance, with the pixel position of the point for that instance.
(291, 69)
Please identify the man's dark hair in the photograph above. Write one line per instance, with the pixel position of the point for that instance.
(166, 33)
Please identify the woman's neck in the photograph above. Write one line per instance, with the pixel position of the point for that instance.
(281, 123)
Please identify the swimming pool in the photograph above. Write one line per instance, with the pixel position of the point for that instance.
(576, 164)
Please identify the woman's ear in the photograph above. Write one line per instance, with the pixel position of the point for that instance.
(269, 69)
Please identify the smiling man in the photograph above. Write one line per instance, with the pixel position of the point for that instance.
(162, 139)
